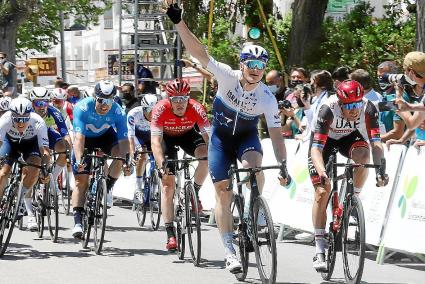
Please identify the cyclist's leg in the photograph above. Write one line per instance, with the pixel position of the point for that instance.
(321, 195)
(57, 143)
(357, 149)
(5, 149)
(250, 154)
(143, 140)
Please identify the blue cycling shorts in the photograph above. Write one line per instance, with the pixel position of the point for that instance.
(224, 149)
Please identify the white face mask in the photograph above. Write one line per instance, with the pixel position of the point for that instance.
(273, 89)
(409, 80)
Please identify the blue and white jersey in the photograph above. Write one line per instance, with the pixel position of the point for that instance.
(55, 119)
(237, 111)
(91, 124)
(136, 121)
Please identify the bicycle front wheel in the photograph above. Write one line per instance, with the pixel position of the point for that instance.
(180, 215)
(155, 201)
(353, 240)
(101, 212)
(193, 224)
(141, 214)
(332, 239)
(65, 190)
(39, 198)
(52, 210)
(10, 205)
(264, 241)
(240, 238)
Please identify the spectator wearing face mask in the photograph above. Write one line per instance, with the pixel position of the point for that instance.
(128, 98)
(276, 83)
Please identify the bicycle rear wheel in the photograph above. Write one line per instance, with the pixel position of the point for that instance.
(193, 224)
(10, 204)
(101, 212)
(141, 214)
(39, 198)
(353, 240)
(240, 239)
(155, 201)
(264, 241)
(52, 210)
(330, 253)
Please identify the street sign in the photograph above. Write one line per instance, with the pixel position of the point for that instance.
(46, 66)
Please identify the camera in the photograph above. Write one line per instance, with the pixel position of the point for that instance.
(401, 80)
(306, 89)
(284, 104)
(180, 63)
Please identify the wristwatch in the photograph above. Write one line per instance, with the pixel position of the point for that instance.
(195, 65)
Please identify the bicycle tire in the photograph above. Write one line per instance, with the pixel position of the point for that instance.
(260, 207)
(155, 201)
(330, 254)
(52, 210)
(86, 230)
(354, 204)
(9, 215)
(240, 239)
(101, 212)
(180, 234)
(65, 190)
(193, 224)
(39, 211)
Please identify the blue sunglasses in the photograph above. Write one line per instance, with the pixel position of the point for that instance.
(20, 119)
(255, 64)
(356, 105)
(40, 103)
(104, 101)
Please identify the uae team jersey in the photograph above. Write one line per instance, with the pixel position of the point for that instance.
(36, 128)
(237, 111)
(165, 121)
(331, 123)
(91, 124)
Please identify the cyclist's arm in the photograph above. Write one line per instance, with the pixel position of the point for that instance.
(43, 141)
(372, 126)
(278, 143)
(271, 113)
(122, 133)
(157, 126)
(132, 146)
(202, 121)
(59, 121)
(79, 141)
(158, 154)
(192, 44)
(320, 135)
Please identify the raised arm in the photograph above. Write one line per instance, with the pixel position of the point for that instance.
(190, 41)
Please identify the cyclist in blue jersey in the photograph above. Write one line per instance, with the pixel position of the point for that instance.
(99, 122)
(241, 98)
(56, 127)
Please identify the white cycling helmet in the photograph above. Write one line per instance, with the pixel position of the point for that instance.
(20, 106)
(5, 103)
(253, 51)
(105, 88)
(39, 93)
(59, 94)
(149, 101)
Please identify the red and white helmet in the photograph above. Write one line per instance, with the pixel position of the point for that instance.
(177, 87)
(350, 91)
(58, 94)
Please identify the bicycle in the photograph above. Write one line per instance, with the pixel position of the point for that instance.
(95, 208)
(186, 210)
(45, 203)
(347, 228)
(11, 202)
(151, 194)
(63, 182)
(254, 230)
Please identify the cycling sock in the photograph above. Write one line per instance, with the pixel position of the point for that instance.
(139, 182)
(227, 239)
(77, 215)
(28, 206)
(110, 181)
(357, 191)
(57, 171)
(197, 187)
(169, 227)
(319, 236)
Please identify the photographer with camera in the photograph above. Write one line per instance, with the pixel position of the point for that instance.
(364, 78)
(6, 76)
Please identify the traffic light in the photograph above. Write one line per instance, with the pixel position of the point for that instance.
(254, 33)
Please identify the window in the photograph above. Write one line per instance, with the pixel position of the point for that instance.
(108, 19)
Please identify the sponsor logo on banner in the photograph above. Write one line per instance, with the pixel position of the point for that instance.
(409, 188)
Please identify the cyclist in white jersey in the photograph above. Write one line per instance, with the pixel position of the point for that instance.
(240, 99)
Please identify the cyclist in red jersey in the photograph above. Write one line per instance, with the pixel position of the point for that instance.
(346, 123)
(173, 124)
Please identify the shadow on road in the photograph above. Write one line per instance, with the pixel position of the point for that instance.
(129, 229)
(120, 252)
(17, 252)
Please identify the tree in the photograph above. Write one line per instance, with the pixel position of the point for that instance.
(306, 33)
(420, 25)
(34, 24)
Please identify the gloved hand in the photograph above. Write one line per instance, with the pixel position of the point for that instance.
(174, 12)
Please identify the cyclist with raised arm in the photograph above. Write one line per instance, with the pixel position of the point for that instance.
(173, 122)
(23, 132)
(241, 98)
(139, 136)
(99, 122)
(56, 128)
(349, 123)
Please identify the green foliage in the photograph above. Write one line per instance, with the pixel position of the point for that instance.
(361, 41)
(41, 30)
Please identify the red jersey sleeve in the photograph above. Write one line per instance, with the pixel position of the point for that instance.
(157, 121)
(201, 117)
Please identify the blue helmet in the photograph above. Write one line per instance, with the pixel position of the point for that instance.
(253, 51)
(105, 89)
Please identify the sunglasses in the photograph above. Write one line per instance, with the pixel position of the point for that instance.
(416, 74)
(104, 101)
(255, 64)
(20, 119)
(58, 101)
(356, 105)
(179, 99)
(40, 103)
